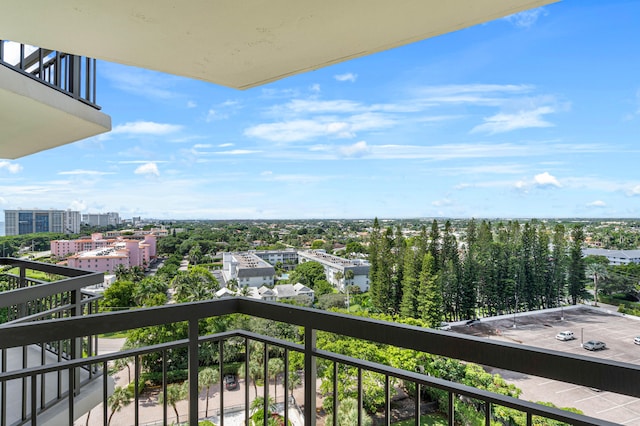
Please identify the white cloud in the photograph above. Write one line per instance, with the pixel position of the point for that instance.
(148, 169)
(85, 172)
(145, 128)
(545, 180)
(237, 152)
(346, 77)
(503, 122)
(442, 203)
(225, 145)
(597, 203)
(212, 115)
(304, 130)
(315, 88)
(527, 18)
(633, 191)
(191, 104)
(202, 146)
(78, 205)
(10, 167)
(358, 149)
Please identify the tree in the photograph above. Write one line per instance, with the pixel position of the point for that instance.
(307, 273)
(598, 272)
(576, 265)
(120, 398)
(258, 414)
(409, 303)
(207, 377)
(430, 294)
(348, 414)
(275, 367)
(176, 392)
(118, 295)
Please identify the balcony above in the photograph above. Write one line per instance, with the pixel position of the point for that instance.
(240, 44)
(35, 116)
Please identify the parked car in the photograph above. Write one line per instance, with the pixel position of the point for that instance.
(230, 381)
(637, 340)
(445, 326)
(565, 335)
(594, 345)
(472, 322)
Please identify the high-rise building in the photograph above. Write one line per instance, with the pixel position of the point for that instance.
(101, 219)
(19, 222)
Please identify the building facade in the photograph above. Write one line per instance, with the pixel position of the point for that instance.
(288, 258)
(98, 254)
(340, 272)
(615, 257)
(101, 219)
(248, 269)
(20, 222)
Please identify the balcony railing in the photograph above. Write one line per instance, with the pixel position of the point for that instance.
(72, 75)
(26, 300)
(581, 370)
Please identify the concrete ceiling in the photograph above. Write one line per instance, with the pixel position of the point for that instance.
(239, 43)
(35, 117)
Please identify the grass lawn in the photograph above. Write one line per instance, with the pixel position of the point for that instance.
(429, 419)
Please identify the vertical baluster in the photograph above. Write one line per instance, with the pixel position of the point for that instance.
(309, 375)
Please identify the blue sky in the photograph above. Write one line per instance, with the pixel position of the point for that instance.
(536, 115)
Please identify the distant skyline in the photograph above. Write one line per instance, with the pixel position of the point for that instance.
(532, 116)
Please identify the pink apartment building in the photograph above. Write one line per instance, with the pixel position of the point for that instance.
(104, 255)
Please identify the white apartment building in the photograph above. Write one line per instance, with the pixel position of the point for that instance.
(287, 257)
(248, 269)
(336, 269)
(615, 257)
(101, 219)
(20, 222)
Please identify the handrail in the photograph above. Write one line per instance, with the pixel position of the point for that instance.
(582, 370)
(433, 382)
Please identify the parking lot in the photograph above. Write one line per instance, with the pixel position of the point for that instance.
(586, 323)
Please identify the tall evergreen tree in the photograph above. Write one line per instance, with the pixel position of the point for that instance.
(576, 276)
(559, 263)
(434, 243)
(430, 294)
(410, 280)
(399, 249)
(374, 263)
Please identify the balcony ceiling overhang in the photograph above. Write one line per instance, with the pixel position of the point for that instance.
(35, 117)
(239, 43)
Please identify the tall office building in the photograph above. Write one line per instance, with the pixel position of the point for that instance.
(19, 222)
(101, 219)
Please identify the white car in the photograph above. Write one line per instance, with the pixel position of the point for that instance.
(637, 340)
(444, 326)
(565, 335)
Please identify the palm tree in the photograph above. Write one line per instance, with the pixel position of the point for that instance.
(121, 272)
(599, 272)
(348, 414)
(255, 371)
(258, 414)
(176, 392)
(120, 398)
(294, 380)
(276, 366)
(207, 378)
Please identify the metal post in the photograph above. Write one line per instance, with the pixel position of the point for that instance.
(193, 371)
(246, 379)
(309, 376)
(221, 375)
